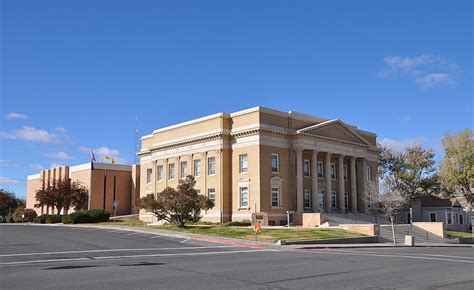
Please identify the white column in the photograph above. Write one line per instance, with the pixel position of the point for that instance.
(328, 193)
(364, 185)
(342, 190)
(299, 181)
(314, 188)
(353, 184)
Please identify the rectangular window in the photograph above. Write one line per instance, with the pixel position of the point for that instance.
(198, 191)
(171, 171)
(197, 167)
(307, 198)
(244, 196)
(211, 194)
(369, 173)
(408, 218)
(243, 163)
(211, 166)
(159, 173)
(432, 217)
(449, 218)
(148, 175)
(461, 219)
(346, 200)
(306, 168)
(320, 169)
(333, 171)
(345, 172)
(184, 169)
(333, 200)
(321, 200)
(275, 196)
(275, 163)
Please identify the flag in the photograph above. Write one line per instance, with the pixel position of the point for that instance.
(92, 159)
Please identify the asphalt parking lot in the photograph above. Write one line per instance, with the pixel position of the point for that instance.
(53, 257)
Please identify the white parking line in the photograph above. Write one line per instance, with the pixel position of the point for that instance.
(132, 256)
(184, 241)
(412, 254)
(340, 252)
(114, 250)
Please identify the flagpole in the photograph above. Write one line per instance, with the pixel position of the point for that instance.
(90, 179)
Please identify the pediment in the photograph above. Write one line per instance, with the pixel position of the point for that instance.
(334, 130)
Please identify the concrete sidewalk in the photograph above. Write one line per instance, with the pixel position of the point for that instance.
(252, 244)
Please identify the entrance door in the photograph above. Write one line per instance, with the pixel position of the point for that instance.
(321, 201)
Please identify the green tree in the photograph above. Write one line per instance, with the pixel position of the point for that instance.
(412, 172)
(177, 205)
(9, 202)
(456, 170)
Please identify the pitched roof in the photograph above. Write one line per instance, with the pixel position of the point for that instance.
(434, 201)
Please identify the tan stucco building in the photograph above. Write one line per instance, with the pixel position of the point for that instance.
(107, 182)
(263, 160)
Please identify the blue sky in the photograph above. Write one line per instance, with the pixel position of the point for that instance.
(75, 74)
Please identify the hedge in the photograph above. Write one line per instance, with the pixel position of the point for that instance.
(29, 213)
(86, 216)
(48, 219)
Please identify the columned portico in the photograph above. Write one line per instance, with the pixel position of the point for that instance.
(353, 185)
(328, 191)
(364, 185)
(341, 197)
(299, 181)
(314, 182)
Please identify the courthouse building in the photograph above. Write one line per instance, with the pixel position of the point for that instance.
(106, 183)
(263, 160)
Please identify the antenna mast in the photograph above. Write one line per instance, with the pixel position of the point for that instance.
(136, 140)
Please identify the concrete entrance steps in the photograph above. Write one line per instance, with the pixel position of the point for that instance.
(421, 236)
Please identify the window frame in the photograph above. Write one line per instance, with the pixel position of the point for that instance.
(213, 199)
(369, 173)
(278, 199)
(333, 167)
(346, 200)
(277, 163)
(197, 173)
(241, 163)
(307, 198)
(213, 166)
(345, 171)
(322, 169)
(241, 204)
(333, 199)
(159, 173)
(149, 172)
(308, 172)
(171, 165)
(186, 167)
(431, 217)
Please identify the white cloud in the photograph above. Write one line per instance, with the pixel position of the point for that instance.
(10, 181)
(31, 134)
(400, 145)
(36, 166)
(14, 115)
(54, 164)
(60, 130)
(60, 155)
(426, 70)
(103, 151)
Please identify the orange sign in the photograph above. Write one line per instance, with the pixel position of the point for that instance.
(257, 227)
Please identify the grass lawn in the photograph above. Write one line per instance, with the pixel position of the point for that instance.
(267, 234)
(128, 223)
(461, 234)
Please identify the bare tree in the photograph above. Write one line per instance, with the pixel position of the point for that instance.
(388, 202)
